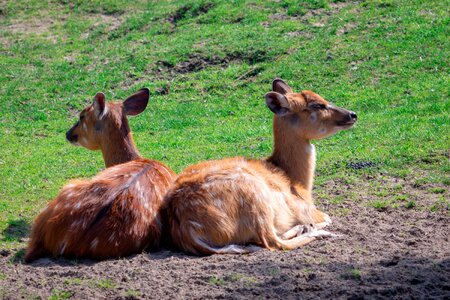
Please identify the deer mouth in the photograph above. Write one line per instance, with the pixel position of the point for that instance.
(73, 139)
(346, 124)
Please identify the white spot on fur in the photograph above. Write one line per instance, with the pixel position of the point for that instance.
(70, 185)
(218, 203)
(146, 206)
(62, 247)
(198, 225)
(56, 206)
(313, 152)
(75, 224)
(85, 127)
(138, 186)
(78, 205)
(112, 237)
(94, 243)
(261, 221)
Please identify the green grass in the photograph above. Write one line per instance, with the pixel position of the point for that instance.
(106, 284)
(354, 274)
(216, 281)
(386, 60)
(57, 294)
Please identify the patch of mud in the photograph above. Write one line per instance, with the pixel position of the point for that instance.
(348, 27)
(198, 62)
(319, 16)
(189, 11)
(110, 22)
(333, 9)
(397, 253)
(35, 25)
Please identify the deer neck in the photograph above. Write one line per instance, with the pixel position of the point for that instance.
(296, 156)
(119, 149)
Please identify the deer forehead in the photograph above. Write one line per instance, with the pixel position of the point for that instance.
(299, 101)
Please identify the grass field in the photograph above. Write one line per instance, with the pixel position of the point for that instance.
(208, 65)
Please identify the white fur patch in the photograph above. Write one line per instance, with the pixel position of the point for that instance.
(78, 205)
(85, 127)
(138, 186)
(94, 243)
(62, 247)
(218, 203)
(196, 224)
(75, 224)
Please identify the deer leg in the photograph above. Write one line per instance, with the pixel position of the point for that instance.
(292, 232)
(320, 219)
(297, 231)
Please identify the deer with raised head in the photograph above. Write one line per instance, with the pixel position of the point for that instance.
(116, 213)
(239, 205)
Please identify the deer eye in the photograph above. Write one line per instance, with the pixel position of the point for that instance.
(318, 106)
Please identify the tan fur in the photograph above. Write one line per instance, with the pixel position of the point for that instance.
(117, 212)
(220, 206)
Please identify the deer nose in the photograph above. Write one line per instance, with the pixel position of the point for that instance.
(70, 136)
(353, 115)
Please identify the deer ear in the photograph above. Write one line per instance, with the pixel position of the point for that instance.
(277, 103)
(136, 103)
(99, 105)
(279, 86)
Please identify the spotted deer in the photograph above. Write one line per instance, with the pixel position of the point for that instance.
(116, 213)
(239, 205)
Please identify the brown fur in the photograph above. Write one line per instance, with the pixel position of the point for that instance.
(117, 212)
(221, 206)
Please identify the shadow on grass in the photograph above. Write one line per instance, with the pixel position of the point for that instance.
(16, 230)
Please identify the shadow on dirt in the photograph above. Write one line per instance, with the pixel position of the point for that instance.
(416, 277)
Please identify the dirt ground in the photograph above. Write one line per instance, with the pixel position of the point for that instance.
(382, 253)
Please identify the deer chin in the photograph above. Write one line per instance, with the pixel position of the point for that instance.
(345, 125)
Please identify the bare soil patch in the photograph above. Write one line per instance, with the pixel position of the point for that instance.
(198, 62)
(315, 17)
(390, 253)
(189, 11)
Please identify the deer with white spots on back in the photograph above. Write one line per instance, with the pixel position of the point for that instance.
(223, 206)
(116, 213)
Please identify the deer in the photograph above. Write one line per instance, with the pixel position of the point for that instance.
(117, 212)
(239, 205)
